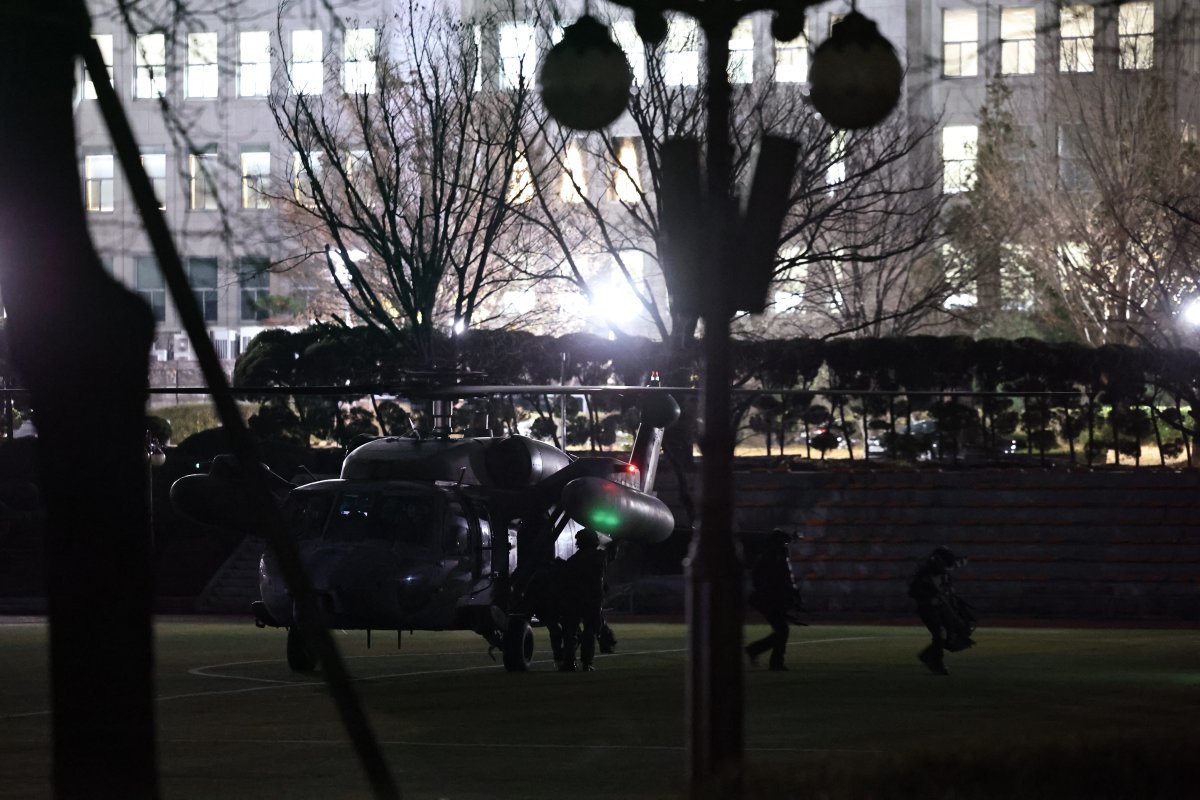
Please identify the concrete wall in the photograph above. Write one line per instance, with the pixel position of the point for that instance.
(1040, 543)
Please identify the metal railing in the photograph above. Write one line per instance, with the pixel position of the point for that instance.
(942, 427)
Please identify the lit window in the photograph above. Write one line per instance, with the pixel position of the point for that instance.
(202, 277)
(520, 184)
(201, 76)
(786, 301)
(155, 166)
(1076, 28)
(958, 157)
(960, 43)
(308, 67)
(626, 184)
(358, 170)
(681, 57)
(254, 279)
(1018, 41)
(1017, 279)
(957, 276)
(1135, 35)
(254, 64)
(1073, 172)
(517, 54)
(358, 61)
(256, 173)
(202, 181)
(791, 60)
(741, 52)
(836, 173)
(150, 287)
(98, 181)
(151, 59)
(105, 41)
(573, 188)
(626, 37)
(475, 56)
(306, 176)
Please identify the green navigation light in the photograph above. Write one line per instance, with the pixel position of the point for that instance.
(605, 519)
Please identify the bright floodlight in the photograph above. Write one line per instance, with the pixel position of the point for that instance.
(1191, 312)
(614, 302)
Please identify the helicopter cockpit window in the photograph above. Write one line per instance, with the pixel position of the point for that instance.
(307, 514)
(358, 517)
(352, 519)
(409, 519)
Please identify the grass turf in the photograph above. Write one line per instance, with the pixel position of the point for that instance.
(1026, 713)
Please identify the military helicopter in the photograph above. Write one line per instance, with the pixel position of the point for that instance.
(445, 532)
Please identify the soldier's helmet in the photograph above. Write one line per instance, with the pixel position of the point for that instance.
(781, 538)
(586, 537)
(944, 557)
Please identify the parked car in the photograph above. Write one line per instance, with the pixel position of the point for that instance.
(920, 440)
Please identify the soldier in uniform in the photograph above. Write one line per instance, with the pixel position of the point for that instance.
(774, 595)
(582, 601)
(948, 619)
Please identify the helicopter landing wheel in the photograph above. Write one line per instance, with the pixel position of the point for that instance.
(518, 644)
(300, 656)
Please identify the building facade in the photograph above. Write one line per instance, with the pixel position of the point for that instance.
(198, 91)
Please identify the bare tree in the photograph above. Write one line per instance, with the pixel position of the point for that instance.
(1094, 208)
(856, 247)
(860, 252)
(404, 192)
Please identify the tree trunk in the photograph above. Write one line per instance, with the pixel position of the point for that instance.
(81, 345)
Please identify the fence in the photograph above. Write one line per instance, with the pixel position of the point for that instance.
(949, 427)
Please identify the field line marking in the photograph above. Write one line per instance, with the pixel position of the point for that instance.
(278, 684)
(520, 746)
(203, 671)
(281, 684)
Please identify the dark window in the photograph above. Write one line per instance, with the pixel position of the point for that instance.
(255, 280)
(150, 286)
(202, 277)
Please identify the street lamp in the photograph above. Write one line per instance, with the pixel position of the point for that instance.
(855, 75)
(706, 234)
(585, 78)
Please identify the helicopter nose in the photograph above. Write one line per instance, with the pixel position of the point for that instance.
(376, 589)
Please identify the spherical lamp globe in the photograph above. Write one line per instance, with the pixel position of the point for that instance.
(585, 79)
(856, 75)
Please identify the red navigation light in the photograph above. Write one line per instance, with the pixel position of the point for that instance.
(632, 468)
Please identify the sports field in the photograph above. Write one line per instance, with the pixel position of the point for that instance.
(1028, 712)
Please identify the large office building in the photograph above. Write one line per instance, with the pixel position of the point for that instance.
(198, 90)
